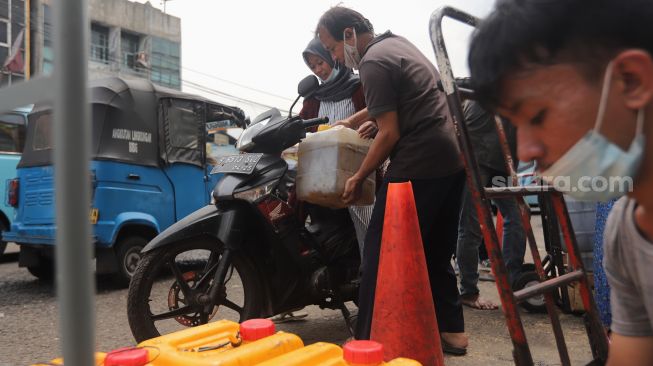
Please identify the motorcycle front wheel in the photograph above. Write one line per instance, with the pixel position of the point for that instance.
(170, 288)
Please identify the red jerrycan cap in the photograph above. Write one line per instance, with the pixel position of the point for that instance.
(128, 356)
(363, 352)
(255, 329)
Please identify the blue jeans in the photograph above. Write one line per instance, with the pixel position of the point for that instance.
(470, 237)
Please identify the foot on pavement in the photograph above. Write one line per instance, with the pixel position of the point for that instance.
(477, 302)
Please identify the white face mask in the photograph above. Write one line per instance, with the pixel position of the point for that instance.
(352, 56)
(332, 76)
(595, 169)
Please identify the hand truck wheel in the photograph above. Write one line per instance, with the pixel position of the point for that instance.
(528, 267)
(534, 304)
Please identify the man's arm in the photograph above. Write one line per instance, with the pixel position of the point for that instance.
(355, 120)
(632, 334)
(380, 149)
(632, 351)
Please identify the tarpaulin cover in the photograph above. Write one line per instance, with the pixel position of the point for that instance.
(136, 122)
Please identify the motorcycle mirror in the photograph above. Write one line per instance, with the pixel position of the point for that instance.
(305, 89)
(307, 86)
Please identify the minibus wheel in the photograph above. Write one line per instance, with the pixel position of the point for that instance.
(128, 254)
(3, 244)
(44, 271)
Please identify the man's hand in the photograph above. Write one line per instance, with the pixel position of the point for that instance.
(354, 121)
(353, 190)
(343, 122)
(368, 130)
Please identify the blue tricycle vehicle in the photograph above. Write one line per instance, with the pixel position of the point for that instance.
(149, 169)
(12, 140)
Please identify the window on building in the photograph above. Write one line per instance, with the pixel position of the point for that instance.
(12, 17)
(129, 44)
(165, 63)
(99, 43)
(4, 32)
(48, 54)
(4, 52)
(17, 20)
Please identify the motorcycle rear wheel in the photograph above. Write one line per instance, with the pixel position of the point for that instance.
(166, 287)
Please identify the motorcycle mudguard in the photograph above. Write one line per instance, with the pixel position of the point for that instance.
(224, 225)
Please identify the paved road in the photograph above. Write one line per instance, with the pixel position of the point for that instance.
(29, 326)
(29, 318)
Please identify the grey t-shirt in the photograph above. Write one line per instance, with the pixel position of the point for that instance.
(396, 76)
(628, 262)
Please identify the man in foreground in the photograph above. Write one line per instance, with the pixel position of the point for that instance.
(576, 79)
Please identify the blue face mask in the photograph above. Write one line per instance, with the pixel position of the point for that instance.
(332, 76)
(595, 169)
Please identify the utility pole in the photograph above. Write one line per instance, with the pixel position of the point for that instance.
(164, 4)
(28, 40)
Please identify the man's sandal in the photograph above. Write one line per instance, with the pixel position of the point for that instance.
(452, 350)
(289, 316)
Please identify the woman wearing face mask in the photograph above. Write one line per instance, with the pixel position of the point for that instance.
(338, 97)
(340, 94)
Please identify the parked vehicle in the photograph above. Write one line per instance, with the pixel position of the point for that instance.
(253, 253)
(12, 140)
(148, 170)
(221, 140)
(525, 172)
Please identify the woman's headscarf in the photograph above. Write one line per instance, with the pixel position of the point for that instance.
(345, 82)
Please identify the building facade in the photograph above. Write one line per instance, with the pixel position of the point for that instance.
(12, 24)
(128, 39)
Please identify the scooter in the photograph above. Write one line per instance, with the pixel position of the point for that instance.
(256, 251)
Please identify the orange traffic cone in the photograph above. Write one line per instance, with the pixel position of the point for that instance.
(404, 315)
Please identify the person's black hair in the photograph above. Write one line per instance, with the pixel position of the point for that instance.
(520, 34)
(336, 19)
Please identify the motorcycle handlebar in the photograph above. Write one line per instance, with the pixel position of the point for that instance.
(312, 122)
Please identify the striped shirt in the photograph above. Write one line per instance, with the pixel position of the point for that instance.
(336, 111)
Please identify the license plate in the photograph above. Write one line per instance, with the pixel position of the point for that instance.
(241, 164)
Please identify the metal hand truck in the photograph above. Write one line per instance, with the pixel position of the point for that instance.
(547, 194)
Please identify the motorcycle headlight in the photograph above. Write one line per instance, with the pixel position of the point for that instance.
(257, 193)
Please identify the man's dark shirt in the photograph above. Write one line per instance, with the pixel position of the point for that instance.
(484, 138)
(396, 76)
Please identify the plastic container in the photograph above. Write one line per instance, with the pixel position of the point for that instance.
(575, 299)
(99, 360)
(129, 356)
(254, 329)
(258, 345)
(217, 343)
(326, 160)
(214, 344)
(356, 353)
(583, 221)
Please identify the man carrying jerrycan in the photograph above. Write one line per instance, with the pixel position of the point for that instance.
(417, 135)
